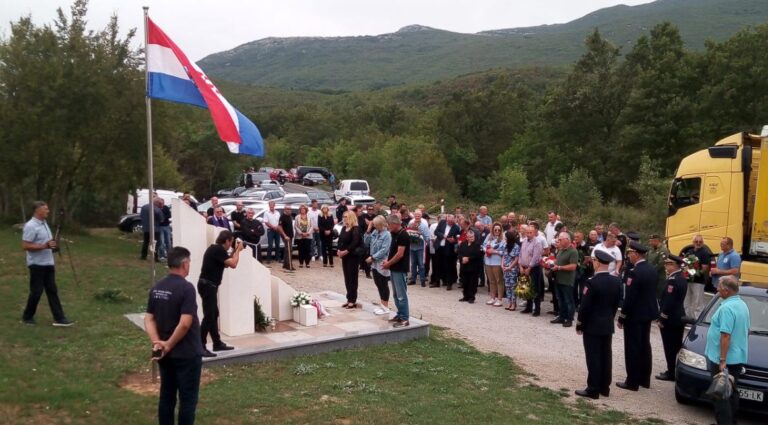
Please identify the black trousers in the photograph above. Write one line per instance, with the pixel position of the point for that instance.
(209, 294)
(305, 250)
(350, 264)
(672, 339)
(469, 280)
(726, 410)
(326, 249)
(537, 281)
(597, 349)
(364, 266)
(180, 376)
(145, 245)
(637, 352)
(43, 278)
(382, 284)
(438, 273)
(427, 261)
(552, 286)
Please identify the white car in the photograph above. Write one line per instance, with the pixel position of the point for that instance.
(140, 198)
(351, 188)
(294, 198)
(358, 200)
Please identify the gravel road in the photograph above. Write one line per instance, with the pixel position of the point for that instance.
(552, 353)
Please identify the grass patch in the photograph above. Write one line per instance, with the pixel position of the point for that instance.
(73, 375)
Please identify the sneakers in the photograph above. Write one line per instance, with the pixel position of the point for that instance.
(497, 303)
(63, 323)
(490, 302)
(207, 353)
(401, 324)
(222, 347)
(30, 322)
(381, 311)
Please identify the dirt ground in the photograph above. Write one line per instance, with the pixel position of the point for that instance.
(552, 353)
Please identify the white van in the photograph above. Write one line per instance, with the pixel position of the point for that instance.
(140, 198)
(351, 188)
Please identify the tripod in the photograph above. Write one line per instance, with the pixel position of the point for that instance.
(59, 240)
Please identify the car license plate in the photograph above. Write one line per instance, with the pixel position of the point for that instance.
(752, 395)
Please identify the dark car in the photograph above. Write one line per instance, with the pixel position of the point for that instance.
(312, 179)
(692, 378)
(303, 170)
(130, 223)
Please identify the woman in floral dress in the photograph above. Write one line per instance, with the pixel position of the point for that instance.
(509, 266)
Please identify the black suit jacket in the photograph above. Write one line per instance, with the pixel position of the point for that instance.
(640, 303)
(599, 303)
(672, 311)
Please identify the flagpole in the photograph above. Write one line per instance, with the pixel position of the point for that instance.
(150, 174)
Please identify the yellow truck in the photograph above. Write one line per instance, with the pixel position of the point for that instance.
(723, 191)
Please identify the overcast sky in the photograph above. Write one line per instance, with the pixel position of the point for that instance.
(203, 27)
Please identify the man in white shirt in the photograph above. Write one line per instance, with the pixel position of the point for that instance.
(272, 221)
(609, 246)
(313, 214)
(549, 230)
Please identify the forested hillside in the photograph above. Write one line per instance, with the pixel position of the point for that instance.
(418, 54)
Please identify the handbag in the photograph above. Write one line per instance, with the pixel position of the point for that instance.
(721, 387)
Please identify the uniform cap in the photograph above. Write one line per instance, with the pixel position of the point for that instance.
(674, 259)
(633, 236)
(637, 247)
(654, 236)
(603, 257)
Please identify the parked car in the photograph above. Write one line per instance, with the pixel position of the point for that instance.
(253, 177)
(292, 176)
(295, 198)
(130, 223)
(352, 187)
(303, 170)
(275, 173)
(321, 196)
(262, 194)
(312, 179)
(692, 378)
(358, 200)
(269, 184)
(266, 170)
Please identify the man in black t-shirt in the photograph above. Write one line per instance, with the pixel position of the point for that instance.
(397, 263)
(172, 326)
(215, 260)
(285, 228)
(251, 230)
(237, 215)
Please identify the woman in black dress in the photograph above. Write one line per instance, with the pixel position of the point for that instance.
(350, 248)
(325, 224)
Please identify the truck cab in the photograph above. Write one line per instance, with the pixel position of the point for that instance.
(720, 191)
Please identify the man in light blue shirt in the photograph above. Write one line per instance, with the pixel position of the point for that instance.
(37, 240)
(728, 262)
(727, 343)
(483, 216)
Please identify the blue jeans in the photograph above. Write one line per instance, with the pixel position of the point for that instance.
(565, 300)
(165, 241)
(182, 376)
(273, 236)
(417, 261)
(400, 294)
(316, 245)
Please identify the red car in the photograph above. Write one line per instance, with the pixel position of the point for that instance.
(275, 173)
(293, 177)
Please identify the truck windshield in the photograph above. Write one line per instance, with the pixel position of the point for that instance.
(685, 192)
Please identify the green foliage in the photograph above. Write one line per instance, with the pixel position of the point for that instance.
(260, 320)
(513, 188)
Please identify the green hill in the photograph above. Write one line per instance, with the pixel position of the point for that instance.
(417, 54)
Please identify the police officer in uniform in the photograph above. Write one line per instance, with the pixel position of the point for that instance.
(637, 312)
(671, 316)
(599, 302)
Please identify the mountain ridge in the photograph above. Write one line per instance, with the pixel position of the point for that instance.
(419, 54)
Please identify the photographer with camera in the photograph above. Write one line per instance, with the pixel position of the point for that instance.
(215, 260)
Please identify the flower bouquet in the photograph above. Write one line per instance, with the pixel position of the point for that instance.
(300, 298)
(414, 235)
(691, 267)
(524, 288)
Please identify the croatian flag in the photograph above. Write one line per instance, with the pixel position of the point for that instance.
(173, 77)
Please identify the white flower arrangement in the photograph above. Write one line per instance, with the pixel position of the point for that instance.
(300, 298)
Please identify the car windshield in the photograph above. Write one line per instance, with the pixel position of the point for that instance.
(758, 312)
(358, 186)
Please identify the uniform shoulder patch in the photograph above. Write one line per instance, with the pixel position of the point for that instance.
(670, 289)
(586, 289)
(629, 281)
